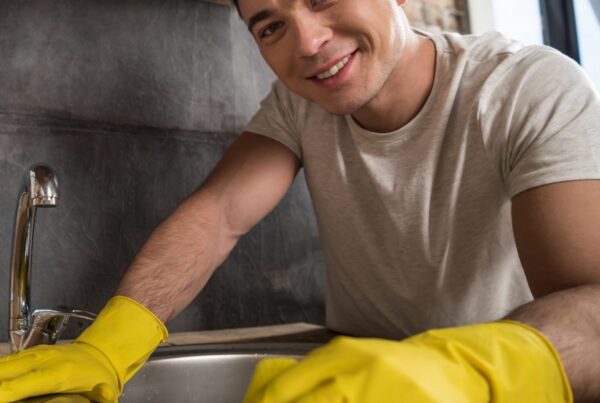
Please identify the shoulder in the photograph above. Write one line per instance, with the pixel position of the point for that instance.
(540, 76)
(480, 48)
(537, 84)
(498, 55)
(493, 57)
(296, 108)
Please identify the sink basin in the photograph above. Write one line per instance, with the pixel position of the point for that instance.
(211, 374)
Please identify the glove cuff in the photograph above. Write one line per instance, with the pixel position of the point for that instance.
(517, 361)
(126, 332)
(552, 357)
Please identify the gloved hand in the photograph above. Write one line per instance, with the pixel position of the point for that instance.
(96, 365)
(502, 362)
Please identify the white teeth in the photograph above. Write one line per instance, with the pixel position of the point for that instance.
(335, 69)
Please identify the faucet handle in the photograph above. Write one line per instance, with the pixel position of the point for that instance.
(48, 324)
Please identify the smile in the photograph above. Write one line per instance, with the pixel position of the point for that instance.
(334, 69)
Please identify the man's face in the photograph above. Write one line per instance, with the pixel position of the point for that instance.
(337, 53)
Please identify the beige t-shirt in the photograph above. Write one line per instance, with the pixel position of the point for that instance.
(415, 224)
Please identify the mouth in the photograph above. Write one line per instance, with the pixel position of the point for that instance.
(335, 71)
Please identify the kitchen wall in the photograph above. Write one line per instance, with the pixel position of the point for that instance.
(132, 103)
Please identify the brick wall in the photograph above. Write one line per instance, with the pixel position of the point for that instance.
(438, 15)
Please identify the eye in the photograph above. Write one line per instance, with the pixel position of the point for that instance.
(270, 29)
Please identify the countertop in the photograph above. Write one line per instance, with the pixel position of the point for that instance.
(293, 332)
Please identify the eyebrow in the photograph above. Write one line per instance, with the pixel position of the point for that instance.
(258, 17)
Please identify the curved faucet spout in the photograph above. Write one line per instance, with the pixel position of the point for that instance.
(39, 189)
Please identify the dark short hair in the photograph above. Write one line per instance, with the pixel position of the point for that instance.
(237, 6)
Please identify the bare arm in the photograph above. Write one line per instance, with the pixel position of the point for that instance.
(557, 230)
(184, 250)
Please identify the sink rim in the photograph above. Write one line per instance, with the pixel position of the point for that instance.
(257, 348)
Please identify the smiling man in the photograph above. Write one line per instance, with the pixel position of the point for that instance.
(455, 183)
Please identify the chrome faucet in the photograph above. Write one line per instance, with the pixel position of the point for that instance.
(42, 326)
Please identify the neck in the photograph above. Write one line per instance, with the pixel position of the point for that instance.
(406, 90)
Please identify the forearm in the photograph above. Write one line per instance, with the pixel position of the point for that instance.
(570, 319)
(179, 257)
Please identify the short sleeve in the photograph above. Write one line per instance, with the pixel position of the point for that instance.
(276, 118)
(540, 121)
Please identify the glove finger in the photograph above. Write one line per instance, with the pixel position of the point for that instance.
(16, 364)
(266, 370)
(318, 367)
(60, 399)
(35, 382)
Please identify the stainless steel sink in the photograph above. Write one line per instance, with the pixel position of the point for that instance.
(211, 374)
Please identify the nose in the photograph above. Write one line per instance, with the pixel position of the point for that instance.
(311, 34)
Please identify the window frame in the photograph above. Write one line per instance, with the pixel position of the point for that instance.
(560, 27)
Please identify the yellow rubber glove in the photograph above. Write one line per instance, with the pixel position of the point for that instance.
(96, 365)
(61, 398)
(501, 362)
